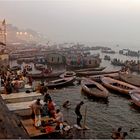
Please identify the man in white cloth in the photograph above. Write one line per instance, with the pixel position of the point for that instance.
(36, 108)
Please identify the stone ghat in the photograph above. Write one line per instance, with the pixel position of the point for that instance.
(10, 126)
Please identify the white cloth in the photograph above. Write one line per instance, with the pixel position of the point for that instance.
(37, 120)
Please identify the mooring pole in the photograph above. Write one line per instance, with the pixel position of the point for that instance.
(85, 116)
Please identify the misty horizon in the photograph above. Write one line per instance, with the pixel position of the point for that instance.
(91, 21)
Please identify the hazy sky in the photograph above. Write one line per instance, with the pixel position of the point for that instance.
(77, 20)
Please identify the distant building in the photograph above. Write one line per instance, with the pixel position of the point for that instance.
(55, 58)
(81, 61)
(74, 60)
(92, 61)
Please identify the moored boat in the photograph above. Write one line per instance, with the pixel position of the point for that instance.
(117, 62)
(117, 85)
(130, 78)
(108, 51)
(61, 82)
(39, 66)
(91, 69)
(68, 74)
(135, 96)
(107, 57)
(88, 73)
(14, 68)
(97, 78)
(43, 75)
(93, 88)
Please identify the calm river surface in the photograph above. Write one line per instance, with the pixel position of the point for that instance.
(101, 117)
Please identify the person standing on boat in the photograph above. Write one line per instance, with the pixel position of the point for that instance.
(78, 113)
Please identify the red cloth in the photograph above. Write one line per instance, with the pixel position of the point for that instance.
(51, 106)
(49, 129)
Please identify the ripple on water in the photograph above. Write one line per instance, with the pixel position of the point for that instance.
(101, 117)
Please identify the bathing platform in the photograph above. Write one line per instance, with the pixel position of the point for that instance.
(21, 97)
(21, 108)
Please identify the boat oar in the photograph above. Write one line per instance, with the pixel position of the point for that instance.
(84, 122)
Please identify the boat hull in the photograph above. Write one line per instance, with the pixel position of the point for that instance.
(88, 73)
(68, 74)
(135, 96)
(99, 92)
(131, 79)
(117, 85)
(61, 82)
(91, 69)
(41, 75)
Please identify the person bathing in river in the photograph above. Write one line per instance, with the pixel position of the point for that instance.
(66, 104)
(116, 133)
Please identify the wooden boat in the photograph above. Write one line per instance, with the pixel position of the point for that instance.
(130, 78)
(135, 68)
(107, 57)
(34, 133)
(43, 75)
(93, 88)
(108, 51)
(117, 85)
(117, 62)
(49, 129)
(91, 69)
(14, 68)
(97, 78)
(88, 73)
(61, 82)
(135, 96)
(68, 74)
(39, 66)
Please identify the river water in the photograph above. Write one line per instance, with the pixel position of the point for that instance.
(101, 117)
